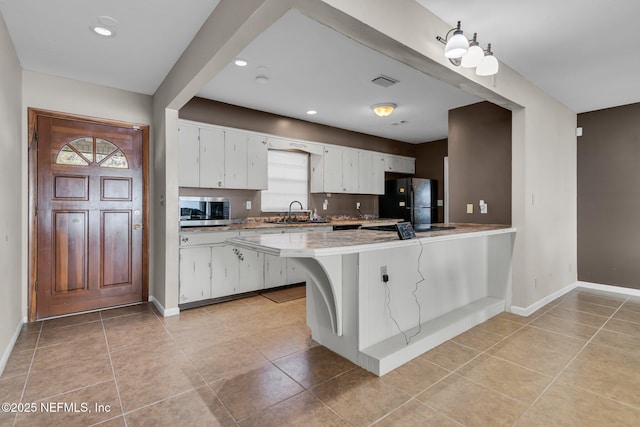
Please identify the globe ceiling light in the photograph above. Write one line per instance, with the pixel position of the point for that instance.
(468, 53)
(384, 109)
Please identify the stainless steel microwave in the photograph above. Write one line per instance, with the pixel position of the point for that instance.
(204, 211)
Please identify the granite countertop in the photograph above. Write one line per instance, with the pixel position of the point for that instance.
(353, 241)
(262, 224)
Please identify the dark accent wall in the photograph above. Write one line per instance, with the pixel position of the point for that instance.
(609, 196)
(218, 113)
(480, 163)
(430, 164)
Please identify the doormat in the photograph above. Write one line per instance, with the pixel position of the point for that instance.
(287, 294)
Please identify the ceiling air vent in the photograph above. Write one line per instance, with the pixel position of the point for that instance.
(384, 81)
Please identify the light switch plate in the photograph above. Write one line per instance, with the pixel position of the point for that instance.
(469, 208)
(248, 204)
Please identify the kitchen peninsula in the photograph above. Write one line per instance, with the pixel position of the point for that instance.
(380, 302)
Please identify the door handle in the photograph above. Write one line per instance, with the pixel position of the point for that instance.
(137, 227)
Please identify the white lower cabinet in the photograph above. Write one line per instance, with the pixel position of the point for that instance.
(225, 273)
(275, 271)
(195, 274)
(209, 268)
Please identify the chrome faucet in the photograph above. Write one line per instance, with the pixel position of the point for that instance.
(291, 204)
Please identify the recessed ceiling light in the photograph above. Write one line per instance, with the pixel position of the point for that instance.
(105, 26)
(312, 112)
(102, 31)
(240, 62)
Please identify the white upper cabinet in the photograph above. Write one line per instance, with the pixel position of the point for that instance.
(257, 161)
(212, 158)
(350, 171)
(189, 159)
(371, 167)
(400, 164)
(235, 159)
(218, 157)
(332, 182)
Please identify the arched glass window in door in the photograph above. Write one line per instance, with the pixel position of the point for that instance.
(87, 150)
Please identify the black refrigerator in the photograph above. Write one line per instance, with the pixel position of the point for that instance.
(412, 199)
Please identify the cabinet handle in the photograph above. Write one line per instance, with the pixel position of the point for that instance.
(185, 239)
(219, 183)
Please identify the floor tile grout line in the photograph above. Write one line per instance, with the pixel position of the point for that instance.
(26, 379)
(113, 370)
(566, 366)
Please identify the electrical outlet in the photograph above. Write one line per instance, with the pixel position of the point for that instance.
(248, 204)
(469, 208)
(384, 276)
(357, 205)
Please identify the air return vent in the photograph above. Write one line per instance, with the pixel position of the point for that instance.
(384, 81)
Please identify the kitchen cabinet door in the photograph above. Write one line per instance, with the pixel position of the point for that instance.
(350, 171)
(195, 274)
(275, 271)
(377, 174)
(401, 164)
(188, 156)
(332, 170)
(224, 271)
(370, 172)
(257, 162)
(296, 273)
(235, 159)
(212, 156)
(251, 275)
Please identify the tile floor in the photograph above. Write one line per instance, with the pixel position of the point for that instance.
(251, 362)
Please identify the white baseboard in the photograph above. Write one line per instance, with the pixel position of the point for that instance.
(526, 311)
(610, 288)
(166, 312)
(9, 348)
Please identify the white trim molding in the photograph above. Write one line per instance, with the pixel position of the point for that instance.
(610, 288)
(526, 311)
(166, 312)
(9, 348)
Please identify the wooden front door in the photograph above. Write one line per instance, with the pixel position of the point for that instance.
(89, 216)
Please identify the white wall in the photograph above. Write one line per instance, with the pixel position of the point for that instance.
(46, 92)
(544, 142)
(11, 212)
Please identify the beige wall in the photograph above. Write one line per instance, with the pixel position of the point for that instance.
(12, 212)
(48, 92)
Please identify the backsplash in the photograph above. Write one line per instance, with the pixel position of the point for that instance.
(338, 204)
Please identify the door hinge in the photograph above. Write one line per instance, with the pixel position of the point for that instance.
(36, 136)
(36, 286)
(36, 211)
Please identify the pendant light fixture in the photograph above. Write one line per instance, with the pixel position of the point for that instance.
(468, 53)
